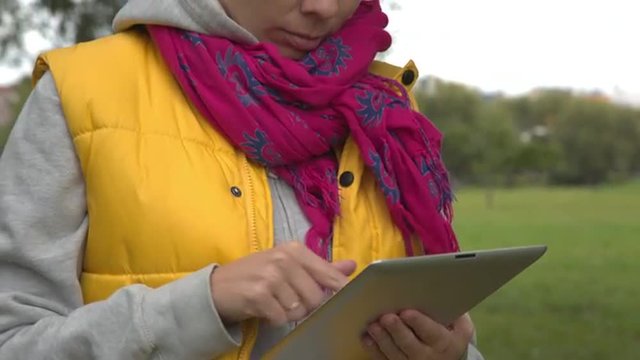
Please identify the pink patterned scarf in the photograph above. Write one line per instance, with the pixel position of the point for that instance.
(289, 115)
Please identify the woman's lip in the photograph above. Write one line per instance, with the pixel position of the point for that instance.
(300, 42)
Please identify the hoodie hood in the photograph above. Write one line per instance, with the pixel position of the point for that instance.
(202, 16)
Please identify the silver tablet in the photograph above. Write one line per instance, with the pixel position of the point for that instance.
(441, 286)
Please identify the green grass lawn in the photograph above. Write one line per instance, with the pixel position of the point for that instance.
(582, 299)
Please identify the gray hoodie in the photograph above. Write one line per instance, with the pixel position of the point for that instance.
(43, 225)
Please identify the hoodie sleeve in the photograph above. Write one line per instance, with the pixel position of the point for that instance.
(43, 225)
(472, 350)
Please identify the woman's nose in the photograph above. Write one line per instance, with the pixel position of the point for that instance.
(324, 9)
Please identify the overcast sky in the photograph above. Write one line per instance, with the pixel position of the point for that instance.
(516, 45)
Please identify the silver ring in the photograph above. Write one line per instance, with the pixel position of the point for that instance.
(293, 306)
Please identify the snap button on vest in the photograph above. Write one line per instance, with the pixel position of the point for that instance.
(408, 77)
(235, 191)
(346, 179)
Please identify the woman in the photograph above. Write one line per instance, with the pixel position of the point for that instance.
(186, 188)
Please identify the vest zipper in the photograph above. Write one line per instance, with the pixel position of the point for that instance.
(251, 326)
(255, 246)
(252, 335)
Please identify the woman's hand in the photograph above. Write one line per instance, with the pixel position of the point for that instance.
(412, 335)
(280, 285)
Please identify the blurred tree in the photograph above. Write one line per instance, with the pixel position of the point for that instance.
(534, 114)
(548, 104)
(539, 108)
(533, 162)
(627, 133)
(480, 136)
(4, 135)
(599, 142)
(547, 135)
(59, 21)
(453, 108)
(495, 141)
(23, 88)
(448, 103)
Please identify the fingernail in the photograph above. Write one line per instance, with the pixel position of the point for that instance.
(374, 330)
(406, 315)
(368, 342)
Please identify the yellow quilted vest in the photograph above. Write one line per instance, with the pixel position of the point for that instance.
(159, 177)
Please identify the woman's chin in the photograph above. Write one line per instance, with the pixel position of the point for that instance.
(291, 53)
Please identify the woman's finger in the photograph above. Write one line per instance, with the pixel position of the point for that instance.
(290, 302)
(427, 330)
(272, 311)
(308, 290)
(385, 343)
(463, 328)
(404, 337)
(321, 271)
(372, 349)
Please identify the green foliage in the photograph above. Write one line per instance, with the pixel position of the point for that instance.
(495, 140)
(453, 108)
(579, 301)
(480, 136)
(23, 88)
(532, 161)
(59, 21)
(547, 136)
(450, 104)
(4, 134)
